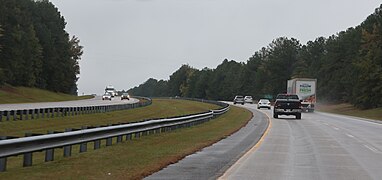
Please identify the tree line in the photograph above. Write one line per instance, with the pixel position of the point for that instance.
(35, 49)
(347, 66)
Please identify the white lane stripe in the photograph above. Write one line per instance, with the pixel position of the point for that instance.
(326, 124)
(371, 148)
(336, 128)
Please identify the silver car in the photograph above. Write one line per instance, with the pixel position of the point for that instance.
(248, 99)
(106, 96)
(264, 103)
(238, 100)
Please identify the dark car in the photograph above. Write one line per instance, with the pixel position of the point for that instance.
(287, 104)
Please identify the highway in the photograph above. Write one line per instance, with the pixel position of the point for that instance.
(319, 146)
(96, 101)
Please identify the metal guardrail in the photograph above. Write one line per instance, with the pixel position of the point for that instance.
(25, 146)
(53, 112)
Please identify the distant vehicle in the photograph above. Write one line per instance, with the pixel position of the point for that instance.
(264, 103)
(248, 99)
(106, 96)
(306, 90)
(238, 99)
(111, 90)
(125, 96)
(287, 104)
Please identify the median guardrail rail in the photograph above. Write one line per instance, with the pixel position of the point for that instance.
(53, 112)
(11, 146)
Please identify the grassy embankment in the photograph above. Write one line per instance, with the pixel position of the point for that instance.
(10, 94)
(350, 110)
(130, 159)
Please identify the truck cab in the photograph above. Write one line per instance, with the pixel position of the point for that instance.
(111, 90)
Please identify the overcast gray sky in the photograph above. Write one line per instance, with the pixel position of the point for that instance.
(128, 41)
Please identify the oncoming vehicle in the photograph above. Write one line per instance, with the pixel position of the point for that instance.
(238, 99)
(111, 90)
(125, 96)
(248, 99)
(264, 103)
(106, 96)
(287, 104)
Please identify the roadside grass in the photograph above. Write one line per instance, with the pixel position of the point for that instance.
(9, 94)
(160, 108)
(350, 110)
(132, 159)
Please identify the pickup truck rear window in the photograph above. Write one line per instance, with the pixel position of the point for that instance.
(287, 96)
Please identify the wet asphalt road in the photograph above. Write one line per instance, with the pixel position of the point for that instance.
(319, 146)
(97, 101)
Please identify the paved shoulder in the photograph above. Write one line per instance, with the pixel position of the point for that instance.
(213, 161)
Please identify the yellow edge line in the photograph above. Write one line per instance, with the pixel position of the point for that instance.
(252, 150)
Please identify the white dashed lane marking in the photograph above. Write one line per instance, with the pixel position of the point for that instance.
(371, 148)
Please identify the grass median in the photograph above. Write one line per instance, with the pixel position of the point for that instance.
(137, 158)
(9, 94)
(159, 109)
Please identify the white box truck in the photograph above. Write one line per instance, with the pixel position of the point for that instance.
(305, 88)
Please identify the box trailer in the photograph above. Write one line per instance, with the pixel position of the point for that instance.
(305, 88)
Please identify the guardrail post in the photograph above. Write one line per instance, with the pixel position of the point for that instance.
(83, 146)
(49, 153)
(119, 139)
(3, 164)
(97, 144)
(26, 114)
(128, 137)
(68, 149)
(144, 133)
(57, 110)
(137, 135)
(8, 115)
(48, 112)
(109, 141)
(1, 115)
(13, 112)
(33, 113)
(28, 157)
(52, 112)
(20, 112)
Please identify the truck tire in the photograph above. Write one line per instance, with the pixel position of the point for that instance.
(298, 116)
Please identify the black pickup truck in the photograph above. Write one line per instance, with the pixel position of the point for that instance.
(287, 104)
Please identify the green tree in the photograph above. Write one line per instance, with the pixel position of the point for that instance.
(178, 83)
(368, 87)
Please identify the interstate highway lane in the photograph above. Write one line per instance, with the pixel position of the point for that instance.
(319, 146)
(96, 101)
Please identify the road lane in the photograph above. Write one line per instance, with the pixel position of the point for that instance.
(96, 101)
(320, 146)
